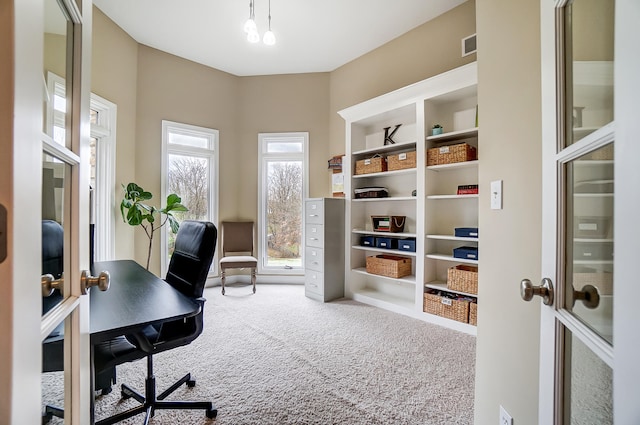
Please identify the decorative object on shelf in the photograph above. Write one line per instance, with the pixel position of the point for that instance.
(388, 223)
(466, 252)
(387, 243)
(251, 28)
(463, 278)
(446, 304)
(371, 192)
(388, 137)
(437, 129)
(137, 212)
(337, 178)
(335, 162)
(451, 154)
(467, 189)
(401, 161)
(466, 232)
(367, 241)
(375, 164)
(389, 265)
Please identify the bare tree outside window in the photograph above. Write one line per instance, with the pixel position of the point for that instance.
(284, 213)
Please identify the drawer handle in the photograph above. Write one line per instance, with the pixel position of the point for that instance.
(314, 239)
(313, 215)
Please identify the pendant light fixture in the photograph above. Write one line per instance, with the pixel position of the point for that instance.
(251, 28)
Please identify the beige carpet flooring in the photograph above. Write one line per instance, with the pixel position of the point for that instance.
(277, 357)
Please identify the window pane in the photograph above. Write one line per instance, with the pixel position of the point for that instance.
(188, 140)
(284, 147)
(284, 213)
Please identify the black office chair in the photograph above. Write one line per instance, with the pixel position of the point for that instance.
(194, 249)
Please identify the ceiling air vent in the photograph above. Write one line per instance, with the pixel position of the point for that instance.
(469, 45)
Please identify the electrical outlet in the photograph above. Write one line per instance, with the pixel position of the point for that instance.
(505, 418)
(496, 195)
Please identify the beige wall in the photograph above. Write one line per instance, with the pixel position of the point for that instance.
(510, 239)
(423, 52)
(114, 74)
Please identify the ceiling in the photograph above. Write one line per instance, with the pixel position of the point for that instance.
(312, 36)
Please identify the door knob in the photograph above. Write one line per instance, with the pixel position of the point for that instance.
(588, 295)
(49, 284)
(527, 290)
(87, 281)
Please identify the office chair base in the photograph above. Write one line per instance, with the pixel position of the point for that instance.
(149, 403)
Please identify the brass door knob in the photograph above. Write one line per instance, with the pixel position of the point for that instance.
(87, 281)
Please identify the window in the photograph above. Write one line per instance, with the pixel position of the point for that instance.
(190, 170)
(103, 142)
(283, 182)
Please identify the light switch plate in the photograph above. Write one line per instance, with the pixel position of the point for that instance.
(505, 417)
(496, 195)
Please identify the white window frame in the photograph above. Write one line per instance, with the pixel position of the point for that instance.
(103, 204)
(211, 153)
(263, 157)
(104, 207)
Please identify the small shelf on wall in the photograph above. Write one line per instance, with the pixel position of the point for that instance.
(452, 238)
(390, 198)
(384, 251)
(454, 135)
(453, 196)
(442, 286)
(445, 257)
(384, 149)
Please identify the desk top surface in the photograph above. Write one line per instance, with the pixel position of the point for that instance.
(135, 298)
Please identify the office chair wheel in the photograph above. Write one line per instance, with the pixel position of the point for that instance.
(191, 383)
(212, 413)
(222, 291)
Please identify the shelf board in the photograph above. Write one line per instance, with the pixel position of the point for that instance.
(379, 299)
(592, 262)
(454, 135)
(371, 232)
(453, 196)
(591, 240)
(445, 257)
(593, 195)
(384, 149)
(383, 250)
(386, 173)
(454, 166)
(409, 280)
(442, 286)
(390, 198)
(452, 238)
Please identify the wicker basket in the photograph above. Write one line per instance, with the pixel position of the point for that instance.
(451, 154)
(401, 161)
(463, 278)
(376, 164)
(446, 307)
(388, 223)
(473, 314)
(389, 266)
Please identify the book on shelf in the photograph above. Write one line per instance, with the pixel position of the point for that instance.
(468, 189)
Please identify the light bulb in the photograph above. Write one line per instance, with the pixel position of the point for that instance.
(250, 26)
(269, 38)
(253, 37)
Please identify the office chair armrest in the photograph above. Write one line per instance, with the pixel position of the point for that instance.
(140, 340)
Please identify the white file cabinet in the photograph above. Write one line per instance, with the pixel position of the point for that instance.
(324, 248)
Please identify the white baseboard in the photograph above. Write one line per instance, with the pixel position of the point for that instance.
(246, 279)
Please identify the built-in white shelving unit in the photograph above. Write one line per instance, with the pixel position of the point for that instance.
(426, 196)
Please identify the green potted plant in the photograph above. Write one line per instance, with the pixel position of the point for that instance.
(137, 213)
(437, 129)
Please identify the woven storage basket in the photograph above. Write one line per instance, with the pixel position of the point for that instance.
(389, 266)
(401, 161)
(463, 278)
(473, 314)
(376, 164)
(451, 154)
(446, 307)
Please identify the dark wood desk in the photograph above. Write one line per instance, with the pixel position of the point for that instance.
(136, 298)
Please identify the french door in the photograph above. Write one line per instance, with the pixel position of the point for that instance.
(590, 65)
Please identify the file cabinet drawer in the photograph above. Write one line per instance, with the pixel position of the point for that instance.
(314, 282)
(314, 235)
(314, 259)
(314, 212)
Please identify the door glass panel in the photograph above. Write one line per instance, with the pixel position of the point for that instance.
(590, 244)
(589, 62)
(588, 385)
(56, 42)
(53, 397)
(54, 173)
